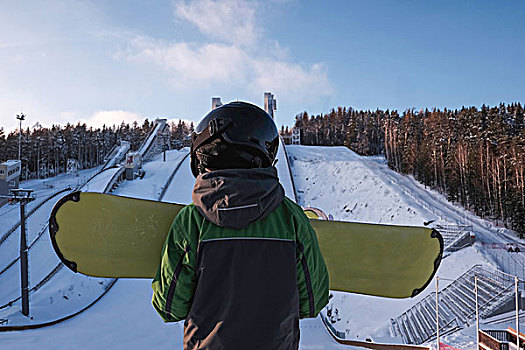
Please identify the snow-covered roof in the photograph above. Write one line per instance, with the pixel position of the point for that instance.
(11, 162)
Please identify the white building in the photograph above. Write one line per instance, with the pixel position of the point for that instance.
(9, 177)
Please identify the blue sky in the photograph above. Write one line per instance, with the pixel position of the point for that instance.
(107, 61)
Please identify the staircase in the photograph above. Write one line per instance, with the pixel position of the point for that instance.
(455, 236)
(457, 305)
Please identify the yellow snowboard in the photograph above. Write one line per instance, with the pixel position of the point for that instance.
(105, 235)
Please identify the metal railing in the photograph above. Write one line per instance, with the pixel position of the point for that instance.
(512, 263)
(454, 234)
(457, 305)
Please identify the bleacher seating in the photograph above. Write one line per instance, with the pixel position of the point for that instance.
(457, 305)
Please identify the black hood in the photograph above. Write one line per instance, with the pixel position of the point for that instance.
(234, 198)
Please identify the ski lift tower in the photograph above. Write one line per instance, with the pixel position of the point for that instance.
(270, 104)
(23, 197)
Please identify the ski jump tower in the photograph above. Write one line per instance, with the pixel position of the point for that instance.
(215, 102)
(270, 104)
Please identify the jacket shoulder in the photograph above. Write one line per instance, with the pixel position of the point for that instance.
(188, 219)
(295, 210)
(188, 211)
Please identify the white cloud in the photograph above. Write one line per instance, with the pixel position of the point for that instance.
(223, 66)
(108, 118)
(232, 21)
(57, 55)
(95, 120)
(233, 62)
(292, 81)
(191, 65)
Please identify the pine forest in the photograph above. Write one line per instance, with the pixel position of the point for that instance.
(45, 151)
(474, 156)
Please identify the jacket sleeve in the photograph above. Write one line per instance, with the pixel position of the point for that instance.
(174, 283)
(312, 274)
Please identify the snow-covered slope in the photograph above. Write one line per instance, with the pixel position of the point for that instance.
(42, 189)
(156, 175)
(355, 188)
(55, 292)
(334, 179)
(341, 183)
(124, 317)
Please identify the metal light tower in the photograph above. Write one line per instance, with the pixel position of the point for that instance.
(20, 117)
(23, 197)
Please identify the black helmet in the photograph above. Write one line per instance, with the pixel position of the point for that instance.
(235, 135)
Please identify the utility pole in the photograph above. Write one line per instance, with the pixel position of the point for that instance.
(23, 197)
(20, 117)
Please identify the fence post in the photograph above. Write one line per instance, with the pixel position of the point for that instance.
(477, 312)
(437, 312)
(517, 314)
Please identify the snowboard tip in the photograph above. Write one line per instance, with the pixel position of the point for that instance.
(54, 227)
(433, 234)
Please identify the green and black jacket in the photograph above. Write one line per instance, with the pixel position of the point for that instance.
(241, 265)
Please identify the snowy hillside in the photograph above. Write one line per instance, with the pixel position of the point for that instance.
(334, 179)
(124, 318)
(355, 188)
(67, 293)
(345, 185)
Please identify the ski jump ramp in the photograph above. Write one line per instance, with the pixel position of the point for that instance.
(151, 140)
(284, 171)
(117, 154)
